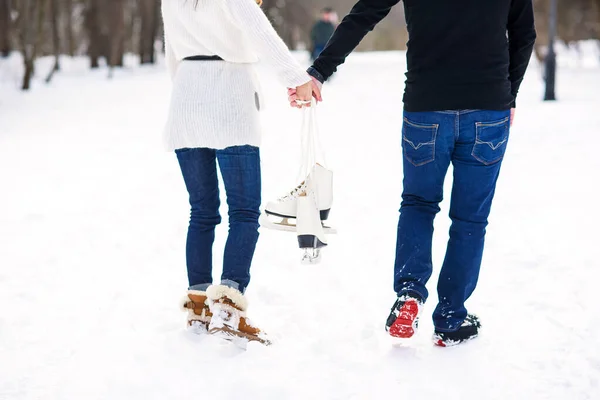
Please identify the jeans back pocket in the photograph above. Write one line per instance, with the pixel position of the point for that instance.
(491, 139)
(418, 142)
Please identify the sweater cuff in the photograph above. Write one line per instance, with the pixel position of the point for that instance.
(312, 71)
(297, 79)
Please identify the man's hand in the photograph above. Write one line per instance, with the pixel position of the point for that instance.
(317, 87)
(512, 115)
(305, 93)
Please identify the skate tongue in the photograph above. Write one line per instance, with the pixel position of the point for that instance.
(294, 192)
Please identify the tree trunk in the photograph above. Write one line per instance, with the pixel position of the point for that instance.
(5, 25)
(117, 40)
(54, 14)
(157, 31)
(149, 13)
(31, 28)
(92, 25)
(28, 74)
(30, 20)
(69, 27)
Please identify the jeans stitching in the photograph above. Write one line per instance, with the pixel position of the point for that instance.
(446, 330)
(457, 127)
(434, 128)
(409, 290)
(480, 142)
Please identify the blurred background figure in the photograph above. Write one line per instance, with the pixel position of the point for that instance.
(322, 31)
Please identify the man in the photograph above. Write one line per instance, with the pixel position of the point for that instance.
(466, 60)
(321, 32)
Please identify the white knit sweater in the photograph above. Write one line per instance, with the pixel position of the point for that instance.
(215, 104)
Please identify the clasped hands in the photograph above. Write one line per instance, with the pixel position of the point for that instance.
(302, 96)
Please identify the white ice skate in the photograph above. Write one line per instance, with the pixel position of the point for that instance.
(282, 213)
(309, 229)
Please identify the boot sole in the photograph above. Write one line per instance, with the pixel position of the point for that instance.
(438, 341)
(230, 334)
(197, 327)
(404, 326)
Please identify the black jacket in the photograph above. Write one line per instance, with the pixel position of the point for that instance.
(462, 54)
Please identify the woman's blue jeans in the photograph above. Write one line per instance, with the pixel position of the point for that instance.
(240, 169)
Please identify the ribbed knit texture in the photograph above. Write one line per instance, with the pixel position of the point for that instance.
(215, 104)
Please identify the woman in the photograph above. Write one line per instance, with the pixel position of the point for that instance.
(211, 47)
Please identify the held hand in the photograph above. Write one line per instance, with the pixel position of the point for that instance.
(315, 90)
(304, 94)
(292, 98)
(512, 115)
(317, 87)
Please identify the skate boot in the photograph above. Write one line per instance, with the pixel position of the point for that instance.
(311, 235)
(469, 330)
(403, 320)
(229, 319)
(199, 315)
(286, 208)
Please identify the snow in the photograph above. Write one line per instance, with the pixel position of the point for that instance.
(93, 216)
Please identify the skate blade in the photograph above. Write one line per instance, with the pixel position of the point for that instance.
(240, 339)
(311, 257)
(287, 224)
(284, 225)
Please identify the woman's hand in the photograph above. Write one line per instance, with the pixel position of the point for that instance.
(302, 95)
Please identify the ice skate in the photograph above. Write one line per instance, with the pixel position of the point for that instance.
(229, 320)
(282, 213)
(311, 235)
(199, 315)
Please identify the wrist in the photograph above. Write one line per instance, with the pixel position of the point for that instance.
(312, 71)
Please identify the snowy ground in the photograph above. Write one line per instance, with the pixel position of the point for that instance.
(93, 217)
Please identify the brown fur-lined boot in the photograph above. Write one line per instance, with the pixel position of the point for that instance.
(199, 315)
(229, 319)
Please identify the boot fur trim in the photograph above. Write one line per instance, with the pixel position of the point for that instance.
(187, 299)
(215, 292)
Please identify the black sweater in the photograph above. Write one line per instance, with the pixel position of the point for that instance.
(462, 54)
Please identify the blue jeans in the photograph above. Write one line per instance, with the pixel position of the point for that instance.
(317, 49)
(474, 141)
(240, 169)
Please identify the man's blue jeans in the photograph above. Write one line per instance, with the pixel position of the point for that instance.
(474, 141)
(240, 169)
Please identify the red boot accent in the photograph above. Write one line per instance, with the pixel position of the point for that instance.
(404, 326)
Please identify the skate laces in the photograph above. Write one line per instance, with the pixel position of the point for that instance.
(310, 142)
(294, 193)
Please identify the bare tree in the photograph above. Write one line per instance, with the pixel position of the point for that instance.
(54, 13)
(149, 14)
(116, 8)
(69, 27)
(94, 32)
(31, 17)
(5, 28)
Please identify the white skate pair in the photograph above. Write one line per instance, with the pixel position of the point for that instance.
(309, 205)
